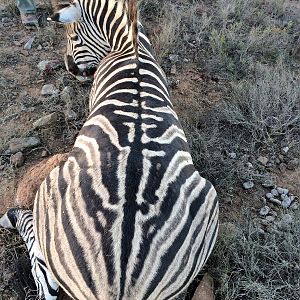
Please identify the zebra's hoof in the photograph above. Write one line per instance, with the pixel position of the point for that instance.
(10, 218)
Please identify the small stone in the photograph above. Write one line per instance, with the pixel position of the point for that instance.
(19, 144)
(48, 65)
(285, 150)
(280, 190)
(45, 153)
(293, 164)
(282, 167)
(294, 206)
(285, 222)
(16, 43)
(269, 183)
(281, 157)
(274, 192)
(232, 155)
(275, 201)
(270, 219)
(174, 58)
(39, 47)
(292, 197)
(3, 82)
(269, 195)
(286, 202)
(249, 165)
(17, 160)
(28, 45)
(70, 115)
(263, 160)
(248, 185)
(264, 210)
(48, 90)
(46, 120)
(285, 191)
(173, 70)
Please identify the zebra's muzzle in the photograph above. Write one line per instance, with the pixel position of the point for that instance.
(82, 74)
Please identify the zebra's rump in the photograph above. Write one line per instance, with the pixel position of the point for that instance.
(98, 247)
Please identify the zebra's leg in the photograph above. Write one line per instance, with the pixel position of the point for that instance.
(21, 220)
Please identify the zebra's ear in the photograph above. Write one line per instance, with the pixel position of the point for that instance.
(69, 14)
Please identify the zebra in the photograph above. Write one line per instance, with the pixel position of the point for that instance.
(16, 218)
(127, 216)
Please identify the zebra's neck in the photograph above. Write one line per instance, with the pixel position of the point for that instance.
(113, 21)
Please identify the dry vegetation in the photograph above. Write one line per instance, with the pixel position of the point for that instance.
(242, 57)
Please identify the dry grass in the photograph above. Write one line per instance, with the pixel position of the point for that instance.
(248, 264)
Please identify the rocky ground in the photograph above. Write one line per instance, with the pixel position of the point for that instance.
(257, 176)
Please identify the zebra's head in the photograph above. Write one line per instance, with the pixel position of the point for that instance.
(92, 28)
(86, 45)
(10, 218)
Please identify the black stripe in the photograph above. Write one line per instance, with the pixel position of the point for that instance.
(168, 257)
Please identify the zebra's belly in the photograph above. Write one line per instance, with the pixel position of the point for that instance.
(100, 249)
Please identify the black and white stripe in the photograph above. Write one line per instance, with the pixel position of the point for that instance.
(127, 216)
(22, 221)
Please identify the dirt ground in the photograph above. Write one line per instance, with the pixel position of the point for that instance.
(21, 104)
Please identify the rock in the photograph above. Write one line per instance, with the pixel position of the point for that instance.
(248, 185)
(28, 45)
(269, 183)
(282, 167)
(293, 164)
(280, 190)
(24, 52)
(19, 144)
(3, 82)
(17, 160)
(45, 153)
(286, 202)
(270, 219)
(285, 222)
(16, 43)
(48, 90)
(285, 150)
(274, 192)
(39, 47)
(67, 95)
(48, 65)
(174, 58)
(275, 201)
(70, 115)
(249, 165)
(294, 206)
(264, 210)
(232, 155)
(173, 70)
(281, 157)
(269, 195)
(205, 289)
(263, 160)
(46, 120)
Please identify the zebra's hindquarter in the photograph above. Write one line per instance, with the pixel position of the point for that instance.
(82, 245)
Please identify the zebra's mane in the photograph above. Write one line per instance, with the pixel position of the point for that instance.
(133, 19)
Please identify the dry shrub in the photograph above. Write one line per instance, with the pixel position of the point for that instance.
(248, 264)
